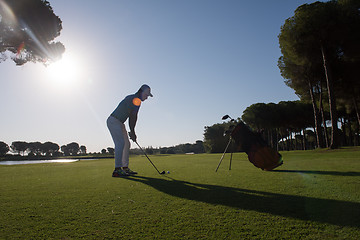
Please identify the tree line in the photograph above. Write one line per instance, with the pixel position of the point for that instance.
(288, 125)
(197, 147)
(48, 149)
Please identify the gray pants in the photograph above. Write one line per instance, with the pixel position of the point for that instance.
(121, 140)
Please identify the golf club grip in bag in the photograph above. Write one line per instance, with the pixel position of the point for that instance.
(259, 154)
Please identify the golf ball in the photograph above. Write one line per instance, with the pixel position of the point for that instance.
(168, 171)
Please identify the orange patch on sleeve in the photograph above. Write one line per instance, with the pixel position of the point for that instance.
(136, 102)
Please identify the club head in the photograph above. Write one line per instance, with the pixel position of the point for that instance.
(226, 117)
(163, 172)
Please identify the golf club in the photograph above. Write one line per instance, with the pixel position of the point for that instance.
(163, 172)
(226, 117)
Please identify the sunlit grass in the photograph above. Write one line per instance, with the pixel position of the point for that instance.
(314, 195)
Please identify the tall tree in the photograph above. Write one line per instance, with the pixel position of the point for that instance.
(27, 31)
(71, 149)
(4, 149)
(111, 150)
(82, 149)
(312, 35)
(350, 55)
(305, 79)
(19, 147)
(50, 148)
(35, 148)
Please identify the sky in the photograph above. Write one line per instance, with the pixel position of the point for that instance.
(202, 59)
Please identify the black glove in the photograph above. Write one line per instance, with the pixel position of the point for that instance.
(132, 136)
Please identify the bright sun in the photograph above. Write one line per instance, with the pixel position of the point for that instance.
(66, 72)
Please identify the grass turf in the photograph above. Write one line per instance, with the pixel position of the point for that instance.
(314, 195)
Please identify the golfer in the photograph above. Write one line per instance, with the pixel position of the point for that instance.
(128, 108)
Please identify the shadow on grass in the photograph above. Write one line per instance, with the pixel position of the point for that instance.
(335, 212)
(334, 173)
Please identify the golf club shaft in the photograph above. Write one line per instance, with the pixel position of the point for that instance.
(147, 157)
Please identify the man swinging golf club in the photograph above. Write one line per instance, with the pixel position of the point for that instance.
(127, 109)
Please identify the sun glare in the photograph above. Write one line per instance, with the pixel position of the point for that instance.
(66, 72)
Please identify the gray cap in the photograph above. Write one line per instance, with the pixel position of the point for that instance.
(147, 88)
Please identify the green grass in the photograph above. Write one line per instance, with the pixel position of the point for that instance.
(314, 195)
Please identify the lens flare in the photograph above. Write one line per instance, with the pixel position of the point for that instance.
(137, 102)
(20, 48)
(7, 13)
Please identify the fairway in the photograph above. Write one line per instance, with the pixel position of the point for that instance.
(314, 195)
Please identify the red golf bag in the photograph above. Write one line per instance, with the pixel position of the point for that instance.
(259, 153)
